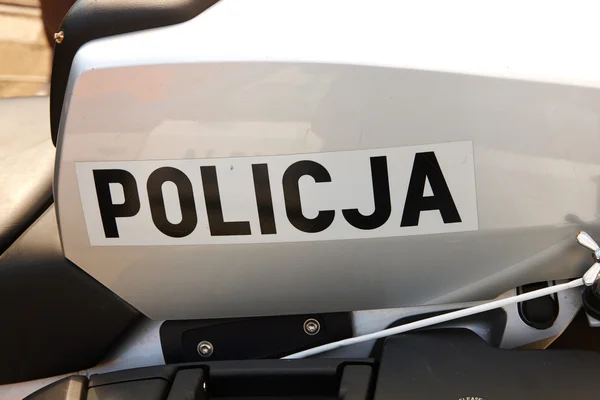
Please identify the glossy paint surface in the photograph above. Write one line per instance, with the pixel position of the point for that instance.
(328, 76)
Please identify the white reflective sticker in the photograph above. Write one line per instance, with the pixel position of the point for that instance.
(289, 198)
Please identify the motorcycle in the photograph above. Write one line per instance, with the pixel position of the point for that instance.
(333, 199)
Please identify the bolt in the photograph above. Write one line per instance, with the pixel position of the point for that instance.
(205, 349)
(59, 36)
(311, 326)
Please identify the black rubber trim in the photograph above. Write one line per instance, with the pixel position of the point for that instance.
(94, 19)
(55, 318)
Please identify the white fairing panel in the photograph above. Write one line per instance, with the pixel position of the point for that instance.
(504, 96)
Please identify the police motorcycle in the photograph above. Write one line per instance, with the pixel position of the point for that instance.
(305, 199)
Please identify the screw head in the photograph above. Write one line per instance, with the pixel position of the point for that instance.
(205, 348)
(311, 326)
(59, 37)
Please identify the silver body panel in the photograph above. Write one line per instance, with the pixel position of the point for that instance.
(287, 80)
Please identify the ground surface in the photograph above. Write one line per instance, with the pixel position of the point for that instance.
(25, 56)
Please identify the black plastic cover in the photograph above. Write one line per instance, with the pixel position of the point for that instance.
(455, 364)
(250, 338)
(494, 320)
(93, 19)
(275, 378)
(55, 318)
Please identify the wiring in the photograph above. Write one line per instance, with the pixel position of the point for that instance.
(589, 278)
(438, 319)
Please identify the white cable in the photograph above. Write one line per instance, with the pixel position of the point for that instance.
(439, 319)
(591, 276)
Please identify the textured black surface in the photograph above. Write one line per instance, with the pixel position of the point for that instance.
(455, 364)
(249, 338)
(93, 19)
(55, 318)
(71, 388)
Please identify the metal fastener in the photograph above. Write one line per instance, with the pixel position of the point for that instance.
(205, 349)
(59, 36)
(312, 326)
(593, 274)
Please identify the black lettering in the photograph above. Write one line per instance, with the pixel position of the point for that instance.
(264, 200)
(214, 210)
(381, 197)
(291, 194)
(189, 219)
(109, 212)
(426, 167)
